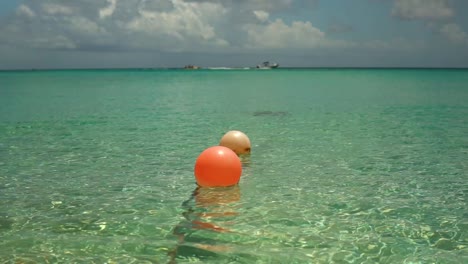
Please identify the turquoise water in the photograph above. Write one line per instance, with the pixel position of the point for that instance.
(347, 166)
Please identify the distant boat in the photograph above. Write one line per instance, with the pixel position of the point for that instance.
(191, 67)
(267, 65)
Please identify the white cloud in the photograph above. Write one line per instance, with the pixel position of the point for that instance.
(24, 10)
(162, 25)
(56, 9)
(277, 35)
(454, 33)
(432, 11)
(261, 15)
(82, 25)
(191, 22)
(422, 9)
(270, 4)
(109, 10)
(267, 5)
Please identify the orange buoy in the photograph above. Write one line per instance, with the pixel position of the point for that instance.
(237, 141)
(217, 166)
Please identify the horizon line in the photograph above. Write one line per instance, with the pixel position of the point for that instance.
(237, 68)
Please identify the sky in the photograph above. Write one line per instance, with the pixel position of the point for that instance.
(232, 33)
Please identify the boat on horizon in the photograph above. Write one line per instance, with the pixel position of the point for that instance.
(191, 67)
(267, 65)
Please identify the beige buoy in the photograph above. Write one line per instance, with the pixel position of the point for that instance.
(236, 141)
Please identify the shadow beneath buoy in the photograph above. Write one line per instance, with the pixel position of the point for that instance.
(208, 210)
(245, 160)
(270, 113)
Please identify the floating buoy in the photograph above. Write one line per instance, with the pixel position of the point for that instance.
(217, 166)
(236, 141)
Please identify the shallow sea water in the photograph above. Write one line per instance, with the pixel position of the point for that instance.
(347, 166)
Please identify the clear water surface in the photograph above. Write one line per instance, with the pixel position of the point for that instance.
(347, 166)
